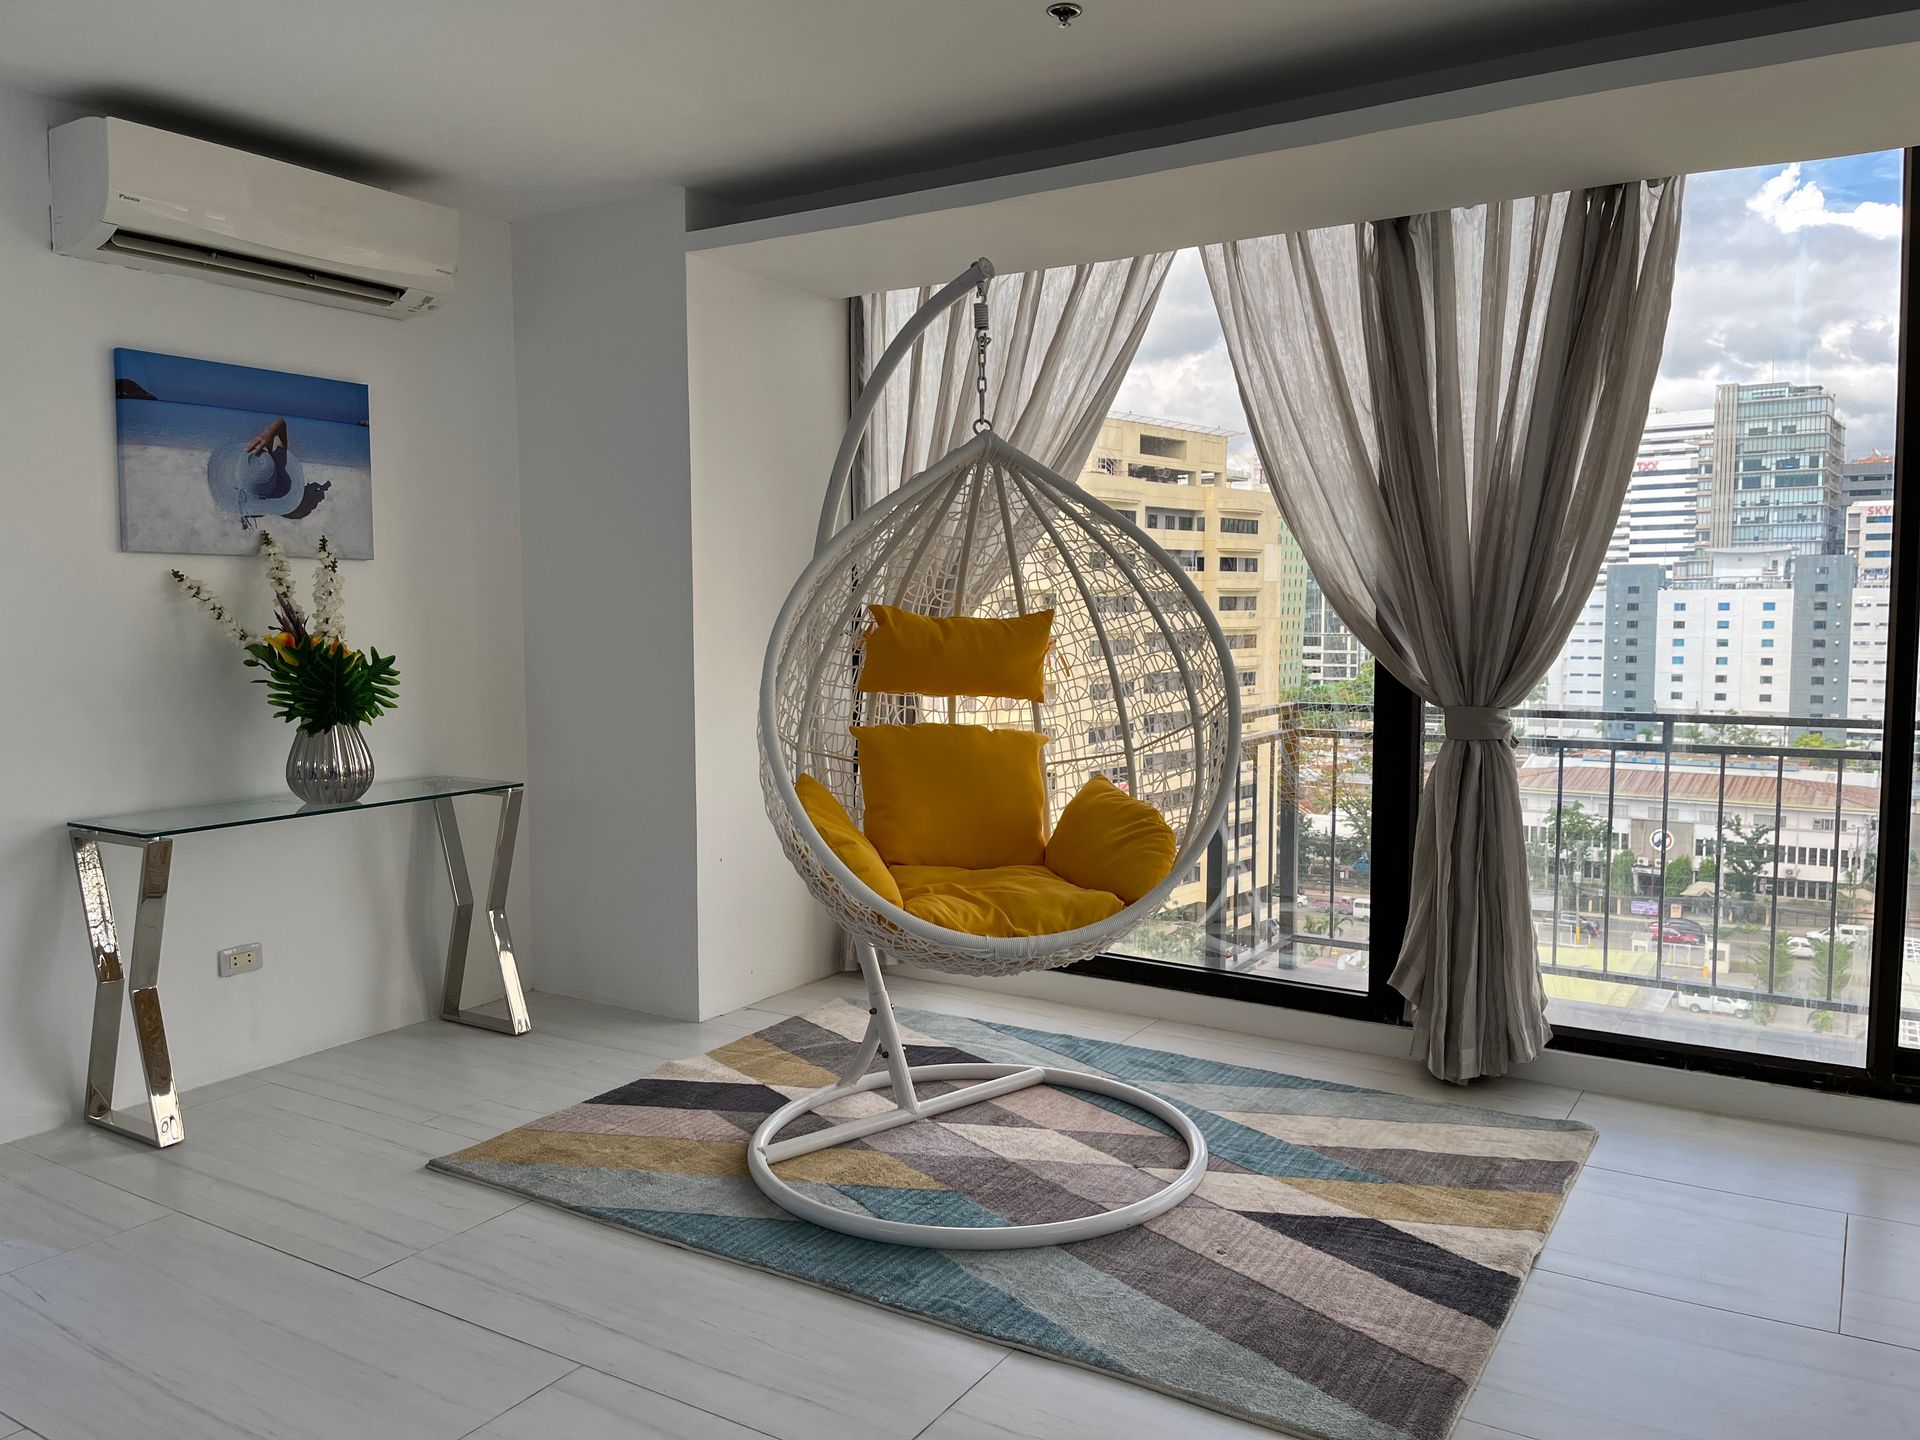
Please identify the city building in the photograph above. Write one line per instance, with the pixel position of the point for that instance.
(1329, 651)
(1771, 470)
(1870, 539)
(1733, 632)
(1867, 653)
(1660, 517)
(1702, 812)
(1173, 481)
(1868, 478)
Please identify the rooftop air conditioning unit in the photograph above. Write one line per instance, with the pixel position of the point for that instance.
(156, 201)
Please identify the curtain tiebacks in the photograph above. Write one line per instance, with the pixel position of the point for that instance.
(1479, 722)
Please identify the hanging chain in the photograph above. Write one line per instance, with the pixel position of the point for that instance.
(981, 340)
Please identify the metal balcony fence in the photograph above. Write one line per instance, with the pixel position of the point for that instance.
(1728, 860)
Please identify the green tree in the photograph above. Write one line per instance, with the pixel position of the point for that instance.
(1679, 875)
(1746, 849)
(1706, 870)
(1623, 873)
(1832, 966)
(1581, 836)
(1321, 695)
(1722, 734)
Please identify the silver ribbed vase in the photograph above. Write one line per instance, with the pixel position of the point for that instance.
(334, 767)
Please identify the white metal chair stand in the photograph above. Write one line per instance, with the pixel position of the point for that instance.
(764, 1151)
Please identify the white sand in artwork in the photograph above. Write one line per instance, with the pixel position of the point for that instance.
(166, 507)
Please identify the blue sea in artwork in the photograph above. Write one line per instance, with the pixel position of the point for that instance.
(207, 427)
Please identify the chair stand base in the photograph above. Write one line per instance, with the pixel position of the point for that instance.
(765, 1151)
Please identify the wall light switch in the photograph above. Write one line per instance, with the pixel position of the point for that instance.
(240, 960)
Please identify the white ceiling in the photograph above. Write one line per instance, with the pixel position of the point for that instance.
(515, 107)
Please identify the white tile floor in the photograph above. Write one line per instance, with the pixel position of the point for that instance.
(291, 1271)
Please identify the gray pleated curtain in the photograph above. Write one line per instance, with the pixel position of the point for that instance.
(1448, 407)
(1062, 341)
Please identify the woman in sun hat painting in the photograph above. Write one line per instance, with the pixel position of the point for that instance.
(261, 477)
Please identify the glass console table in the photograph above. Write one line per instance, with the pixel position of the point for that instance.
(153, 832)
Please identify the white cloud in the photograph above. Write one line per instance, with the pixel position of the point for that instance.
(1791, 204)
(1772, 283)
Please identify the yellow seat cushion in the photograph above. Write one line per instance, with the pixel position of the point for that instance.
(1107, 840)
(1002, 902)
(911, 654)
(953, 794)
(843, 837)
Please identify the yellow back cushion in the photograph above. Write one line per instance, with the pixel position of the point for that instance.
(1108, 840)
(843, 837)
(953, 794)
(910, 654)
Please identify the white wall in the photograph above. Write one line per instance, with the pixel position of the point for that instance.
(116, 695)
(768, 400)
(600, 328)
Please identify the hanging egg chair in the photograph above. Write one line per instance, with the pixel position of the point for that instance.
(1139, 688)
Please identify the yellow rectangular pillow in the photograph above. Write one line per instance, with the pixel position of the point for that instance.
(953, 794)
(910, 654)
(843, 837)
(1107, 840)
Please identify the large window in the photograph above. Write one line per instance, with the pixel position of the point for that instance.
(1285, 893)
(1701, 771)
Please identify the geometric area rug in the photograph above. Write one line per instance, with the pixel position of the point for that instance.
(1342, 1272)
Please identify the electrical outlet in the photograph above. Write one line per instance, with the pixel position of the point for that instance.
(240, 960)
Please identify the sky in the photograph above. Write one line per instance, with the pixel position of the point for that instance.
(1785, 272)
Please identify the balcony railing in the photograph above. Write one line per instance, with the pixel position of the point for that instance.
(1682, 866)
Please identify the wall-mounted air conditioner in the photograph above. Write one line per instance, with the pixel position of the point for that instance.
(143, 197)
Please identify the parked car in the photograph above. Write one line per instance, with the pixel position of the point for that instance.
(1847, 934)
(1717, 1005)
(1584, 927)
(1677, 932)
(1799, 946)
(1362, 907)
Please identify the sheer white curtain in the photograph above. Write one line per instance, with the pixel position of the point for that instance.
(1062, 341)
(1448, 406)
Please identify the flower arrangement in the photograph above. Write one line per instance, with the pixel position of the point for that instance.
(313, 679)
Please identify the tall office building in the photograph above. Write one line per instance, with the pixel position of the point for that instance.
(1329, 651)
(1772, 469)
(1173, 481)
(1660, 517)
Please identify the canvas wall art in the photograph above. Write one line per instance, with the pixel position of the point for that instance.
(210, 454)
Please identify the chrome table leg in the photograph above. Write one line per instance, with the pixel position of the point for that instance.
(515, 1021)
(163, 1126)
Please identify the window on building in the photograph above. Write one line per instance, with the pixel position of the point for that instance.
(1165, 517)
(1239, 525)
(1163, 447)
(1239, 564)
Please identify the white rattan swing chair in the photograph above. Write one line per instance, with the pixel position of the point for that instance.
(1140, 685)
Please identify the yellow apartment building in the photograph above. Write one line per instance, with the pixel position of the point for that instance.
(1174, 482)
